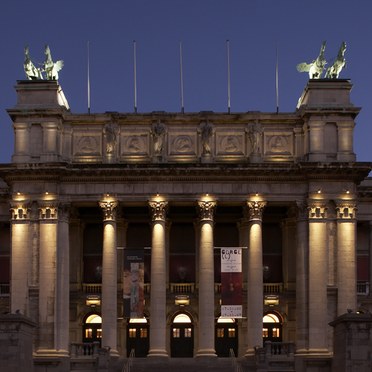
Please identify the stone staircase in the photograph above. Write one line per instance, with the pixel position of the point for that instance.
(184, 365)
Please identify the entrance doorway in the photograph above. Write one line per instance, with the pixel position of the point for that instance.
(226, 337)
(138, 337)
(182, 337)
(92, 329)
(272, 327)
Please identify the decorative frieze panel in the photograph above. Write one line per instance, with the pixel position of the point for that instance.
(230, 144)
(278, 145)
(182, 144)
(135, 145)
(87, 145)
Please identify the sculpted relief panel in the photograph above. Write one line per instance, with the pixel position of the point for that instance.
(135, 144)
(230, 143)
(182, 143)
(278, 144)
(87, 144)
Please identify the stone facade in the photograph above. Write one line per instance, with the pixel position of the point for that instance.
(82, 188)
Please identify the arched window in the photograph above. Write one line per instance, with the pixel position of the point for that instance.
(182, 318)
(272, 327)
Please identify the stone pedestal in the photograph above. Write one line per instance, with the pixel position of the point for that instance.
(16, 334)
(352, 343)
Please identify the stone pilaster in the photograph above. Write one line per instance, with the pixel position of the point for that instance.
(48, 220)
(62, 323)
(346, 256)
(318, 265)
(20, 263)
(254, 213)
(206, 346)
(109, 276)
(302, 257)
(158, 295)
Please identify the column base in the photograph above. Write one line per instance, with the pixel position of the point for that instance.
(157, 353)
(206, 353)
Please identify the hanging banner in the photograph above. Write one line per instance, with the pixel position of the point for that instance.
(231, 282)
(133, 283)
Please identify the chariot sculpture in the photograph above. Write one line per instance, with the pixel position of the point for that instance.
(48, 70)
(316, 67)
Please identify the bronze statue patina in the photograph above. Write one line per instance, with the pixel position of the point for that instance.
(334, 71)
(315, 68)
(32, 72)
(49, 68)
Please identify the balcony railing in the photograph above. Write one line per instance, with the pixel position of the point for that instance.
(4, 290)
(182, 288)
(189, 288)
(363, 288)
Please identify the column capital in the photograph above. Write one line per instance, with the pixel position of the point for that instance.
(206, 209)
(302, 211)
(20, 210)
(158, 209)
(64, 211)
(48, 209)
(109, 209)
(255, 209)
(346, 209)
(317, 209)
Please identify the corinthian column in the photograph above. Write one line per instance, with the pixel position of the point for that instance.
(20, 263)
(109, 276)
(346, 256)
(206, 346)
(255, 276)
(158, 295)
(318, 263)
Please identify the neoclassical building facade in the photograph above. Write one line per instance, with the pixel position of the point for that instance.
(84, 189)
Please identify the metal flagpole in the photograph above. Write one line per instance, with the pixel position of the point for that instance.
(88, 77)
(135, 74)
(181, 79)
(277, 81)
(228, 76)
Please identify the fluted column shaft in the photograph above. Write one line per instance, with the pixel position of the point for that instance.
(255, 276)
(109, 276)
(206, 347)
(346, 256)
(158, 295)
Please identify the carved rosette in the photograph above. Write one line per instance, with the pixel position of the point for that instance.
(20, 211)
(48, 210)
(346, 209)
(109, 209)
(158, 210)
(255, 210)
(317, 210)
(206, 209)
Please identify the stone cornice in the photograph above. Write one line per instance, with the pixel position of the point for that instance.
(62, 172)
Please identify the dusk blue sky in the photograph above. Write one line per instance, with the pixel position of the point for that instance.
(255, 28)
